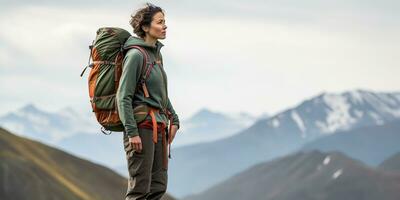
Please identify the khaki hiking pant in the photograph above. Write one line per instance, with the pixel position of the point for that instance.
(147, 175)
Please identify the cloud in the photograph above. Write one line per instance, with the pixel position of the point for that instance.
(219, 54)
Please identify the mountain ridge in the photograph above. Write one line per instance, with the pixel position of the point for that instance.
(265, 140)
(307, 175)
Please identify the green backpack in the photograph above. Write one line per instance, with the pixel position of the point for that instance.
(107, 53)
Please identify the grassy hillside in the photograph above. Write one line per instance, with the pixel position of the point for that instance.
(33, 170)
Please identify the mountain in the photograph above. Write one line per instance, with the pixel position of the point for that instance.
(48, 127)
(392, 163)
(53, 127)
(79, 134)
(74, 132)
(198, 129)
(311, 175)
(370, 144)
(328, 113)
(283, 133)
(33, 170)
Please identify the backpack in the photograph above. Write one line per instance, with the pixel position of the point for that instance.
(107, 53)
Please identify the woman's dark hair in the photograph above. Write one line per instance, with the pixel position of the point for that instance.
(143, 17)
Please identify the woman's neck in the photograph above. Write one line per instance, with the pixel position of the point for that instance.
(150, 40)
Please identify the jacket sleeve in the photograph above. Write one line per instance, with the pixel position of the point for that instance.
(175, 116)
(131, 66)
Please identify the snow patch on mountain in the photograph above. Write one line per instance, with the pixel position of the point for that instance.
(299, 122)
(337, 174)
(338, 115)
(357, 96)
(275, 122)
(384, 102)
(327, 160)
(358, 113)
(378, 119)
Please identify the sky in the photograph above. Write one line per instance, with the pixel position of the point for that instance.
(228, 56)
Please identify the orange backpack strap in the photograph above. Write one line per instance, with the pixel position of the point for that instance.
(153, 119)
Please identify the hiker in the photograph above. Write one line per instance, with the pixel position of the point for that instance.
(144, 112)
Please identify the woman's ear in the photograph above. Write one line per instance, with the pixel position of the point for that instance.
(145, 28)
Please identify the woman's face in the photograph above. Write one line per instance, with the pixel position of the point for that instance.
(158, 28)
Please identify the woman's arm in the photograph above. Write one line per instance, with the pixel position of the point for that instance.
(131, 67)
(170, 107)
(175, 120)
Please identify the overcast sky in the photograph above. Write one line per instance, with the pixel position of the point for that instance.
(229, 56)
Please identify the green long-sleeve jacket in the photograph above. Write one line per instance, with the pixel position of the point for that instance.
(156, 84)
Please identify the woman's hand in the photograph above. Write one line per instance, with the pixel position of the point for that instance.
(174, 128)
(136, 143)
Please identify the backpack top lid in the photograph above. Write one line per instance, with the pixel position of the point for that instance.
(108, 43)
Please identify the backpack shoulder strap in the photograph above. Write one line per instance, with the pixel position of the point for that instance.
(146, 68)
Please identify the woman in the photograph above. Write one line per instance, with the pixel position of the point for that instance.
(146, 111)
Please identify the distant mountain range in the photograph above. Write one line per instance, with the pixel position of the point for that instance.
(33, 170)
(308, 175)
(206, 125)
(79, 133)
(48, 127)
(74, 132)
(212, 146)
(323, 115)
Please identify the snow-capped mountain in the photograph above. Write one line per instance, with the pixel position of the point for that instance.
(206, 125)
(48, 127)
(320, 116)
(330, 112)
(72, 131)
